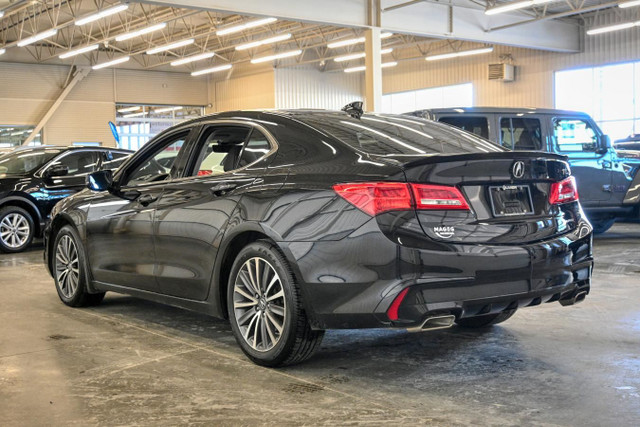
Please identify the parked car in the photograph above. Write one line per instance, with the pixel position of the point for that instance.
(630, 146)
(325, 219)
(32, 180)
(608, 181)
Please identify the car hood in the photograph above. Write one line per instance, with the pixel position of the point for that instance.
(12, 182)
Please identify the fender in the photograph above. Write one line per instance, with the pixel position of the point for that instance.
(26, 199)
(633, 193)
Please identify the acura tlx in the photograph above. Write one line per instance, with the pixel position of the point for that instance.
(292, 222)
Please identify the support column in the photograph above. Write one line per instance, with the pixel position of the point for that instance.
(373, 72)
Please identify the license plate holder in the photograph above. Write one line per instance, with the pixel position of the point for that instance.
(511, 200)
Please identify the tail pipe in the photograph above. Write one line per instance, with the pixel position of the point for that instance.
(576, 298)
(435, 322)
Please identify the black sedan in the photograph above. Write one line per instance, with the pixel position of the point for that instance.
(33, 180)
(292, 222)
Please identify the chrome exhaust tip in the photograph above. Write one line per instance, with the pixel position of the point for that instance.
(435, 322)
(578, 297)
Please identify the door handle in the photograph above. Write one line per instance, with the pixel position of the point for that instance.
(222, 188)
(147, 199)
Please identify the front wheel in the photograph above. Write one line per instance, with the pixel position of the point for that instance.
(16, 229)
(485, 320)
(70, 271)
(265, 309)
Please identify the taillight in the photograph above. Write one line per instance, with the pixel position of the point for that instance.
(563, 191)
(377, 197)
(438, 197)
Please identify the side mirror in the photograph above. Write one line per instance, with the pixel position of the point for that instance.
(57, 170)
(100, 181)
(604, 144)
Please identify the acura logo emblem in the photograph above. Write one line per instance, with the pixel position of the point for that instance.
(518, 169)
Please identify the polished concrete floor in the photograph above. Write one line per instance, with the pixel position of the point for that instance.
(132, 362)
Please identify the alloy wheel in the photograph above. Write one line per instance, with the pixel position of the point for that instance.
(259, 304)
(14, 230)
(67, 266)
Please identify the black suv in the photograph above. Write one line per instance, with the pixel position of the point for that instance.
(33, 180)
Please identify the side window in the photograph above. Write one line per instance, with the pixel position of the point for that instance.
(159, 165)
(113, 159)
(574, 135)
(521, 133)
(477, 125)
(220, 150)
(79, 162)
(257, 146)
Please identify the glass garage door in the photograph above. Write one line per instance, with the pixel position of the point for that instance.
(610, 94)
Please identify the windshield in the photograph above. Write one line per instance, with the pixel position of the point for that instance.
(21, 162)
(392, 135)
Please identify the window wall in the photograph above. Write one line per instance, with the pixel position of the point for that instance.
(12, 136)
(137, 124)
(436, 97)
(609, 94)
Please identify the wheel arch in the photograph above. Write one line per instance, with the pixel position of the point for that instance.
(28, 205)
(57, 223)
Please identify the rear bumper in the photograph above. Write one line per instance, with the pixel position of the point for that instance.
(351, 283)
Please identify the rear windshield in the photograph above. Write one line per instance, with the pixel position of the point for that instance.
(392, 135)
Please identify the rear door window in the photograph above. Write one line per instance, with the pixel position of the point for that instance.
(521, 134)
(220, 150)
(477, 125)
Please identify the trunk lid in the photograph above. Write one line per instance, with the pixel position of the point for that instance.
(507, 192)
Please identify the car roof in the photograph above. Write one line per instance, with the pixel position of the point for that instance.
(498, 110)
(62, 148)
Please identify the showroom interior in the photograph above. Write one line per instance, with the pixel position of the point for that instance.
(111, 75)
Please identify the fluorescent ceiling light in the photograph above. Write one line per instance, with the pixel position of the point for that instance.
(37, 37)
(270, 40)
(246, 25)
(166, 110)
(362, 68)
(147, 30)
(192, 58)
(458, 54)
(110, 63)
(135, 114)
(211, 70)
(276, 56)
(627, 4)
(514, 6)
(128, 109)
(360, 55)
(611, 28)
(102, 14)
(350, 42)
(80, 51)
(16, 133)
(2, 51)
(170, 46)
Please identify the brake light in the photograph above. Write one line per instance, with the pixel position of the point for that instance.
(377, 197)
(563, 191)
(438, 197)
(392, 312)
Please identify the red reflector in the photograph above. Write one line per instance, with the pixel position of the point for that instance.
(438, 197)
(204, 172)
(376, 197)
(392, 313)
(563, 191)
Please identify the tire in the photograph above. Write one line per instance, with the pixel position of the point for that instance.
(486, 320)
(256, 312)
(601, 225)
(16, 229)
(70, 270)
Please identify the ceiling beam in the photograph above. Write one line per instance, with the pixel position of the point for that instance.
(421, 19)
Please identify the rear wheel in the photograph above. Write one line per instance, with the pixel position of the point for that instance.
(601, 225)
(265, 309)
(16, 229)
(70, 272)
(485, 320)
